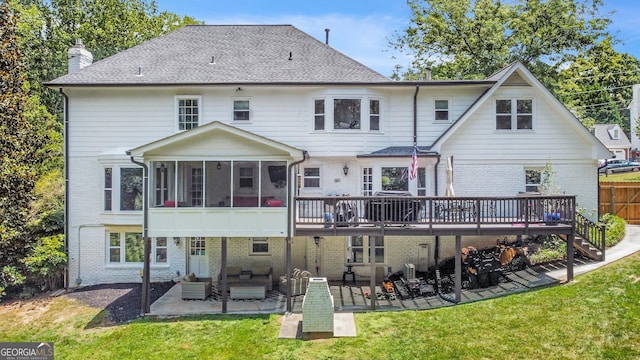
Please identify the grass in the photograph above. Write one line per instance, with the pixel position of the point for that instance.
(627, 176)
(595, 317)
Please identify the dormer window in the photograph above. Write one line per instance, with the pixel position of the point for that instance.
(616, 134)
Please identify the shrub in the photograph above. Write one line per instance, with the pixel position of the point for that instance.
(10, 277)
(47, 261)
(615, 229)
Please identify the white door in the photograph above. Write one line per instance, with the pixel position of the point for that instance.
(198, 259)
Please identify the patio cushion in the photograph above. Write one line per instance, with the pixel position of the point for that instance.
(234, 270)
(261, 270)
(190, 278)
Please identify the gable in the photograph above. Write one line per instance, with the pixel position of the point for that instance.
(553, 124)
(217, 140)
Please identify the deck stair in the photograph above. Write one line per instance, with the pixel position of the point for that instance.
(590, 238)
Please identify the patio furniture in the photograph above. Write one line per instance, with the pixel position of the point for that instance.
(299, 282)
(195, 288)
(349, 272)
(247, 291)
(394, 209)
(256, 275)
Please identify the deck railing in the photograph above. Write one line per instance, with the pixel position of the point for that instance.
(591, 232)
(344, 211)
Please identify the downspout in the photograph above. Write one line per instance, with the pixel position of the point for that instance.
(146, 271)
(66, 186)
(290, 204)
(415, 117)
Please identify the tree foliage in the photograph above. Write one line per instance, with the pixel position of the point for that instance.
(597, 85)
(475, 38)
(19, 154)
(49, 27)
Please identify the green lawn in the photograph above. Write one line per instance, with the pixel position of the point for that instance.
(596, 317)
(627, 176)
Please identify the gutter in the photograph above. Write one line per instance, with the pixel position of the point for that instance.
(66, 187)
(146, 272)
(290, 204)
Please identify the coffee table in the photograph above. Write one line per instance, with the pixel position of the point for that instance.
(247, 291)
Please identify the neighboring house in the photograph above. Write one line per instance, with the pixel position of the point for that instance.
(614, 138)
(219, 114)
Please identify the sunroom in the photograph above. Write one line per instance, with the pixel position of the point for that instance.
(217, 180)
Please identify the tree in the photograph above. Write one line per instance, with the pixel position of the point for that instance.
(49, 27)
(475, 38)
(597, 85)
(19, 155)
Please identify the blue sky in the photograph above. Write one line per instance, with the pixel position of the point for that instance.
(361, 29)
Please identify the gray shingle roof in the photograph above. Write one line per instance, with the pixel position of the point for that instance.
(242, 53)
(398, 151)
(601, 131)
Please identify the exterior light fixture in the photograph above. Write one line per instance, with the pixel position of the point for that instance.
(219, 166)
(345, 169)
(176, 240)
(316, 239)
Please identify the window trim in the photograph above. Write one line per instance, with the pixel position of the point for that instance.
(107, 201)
(122, 237)
(514, 112)
(333, 111)
(177, 99)
(540, 171)
(323, 114)
(448, 110)
(234, 110)
(378, 115)
(259, 241)
(319, 177)
(365, 249)
(116, 188)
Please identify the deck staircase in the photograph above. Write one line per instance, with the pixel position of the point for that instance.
(590, 238)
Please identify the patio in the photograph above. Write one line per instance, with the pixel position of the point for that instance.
(354, 298)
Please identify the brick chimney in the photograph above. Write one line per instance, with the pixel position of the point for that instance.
(78, 57)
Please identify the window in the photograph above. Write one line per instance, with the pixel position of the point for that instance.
(441, 108)
(311, 177)
(108, 188)
(259, 246)
(196, 186)
(126, 247)
(533, 179)
(616, 134)
(346, 113)
(197, 246)
(367, 181)
(130, 189)
(318, 114)
(188, 109)
(422, 185)
(358, 249)
(374, 114)
(246, 177)
(514, 114)
(161, 181)
(395, 178)
(240, 110)
(160, 250)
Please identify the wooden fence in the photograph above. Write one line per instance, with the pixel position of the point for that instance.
(621, 199)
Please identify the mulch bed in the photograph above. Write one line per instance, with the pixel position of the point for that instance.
(122, 301)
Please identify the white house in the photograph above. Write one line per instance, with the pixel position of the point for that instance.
(614, 138)
(220, 114)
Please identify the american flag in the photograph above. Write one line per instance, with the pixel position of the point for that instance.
(414, 165)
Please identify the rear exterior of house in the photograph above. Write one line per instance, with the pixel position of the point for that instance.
(234, 122)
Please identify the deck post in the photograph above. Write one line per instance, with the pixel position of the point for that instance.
(458, 269)
(372, 272)
(288, 271)
(570, 253)
(223, 273)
